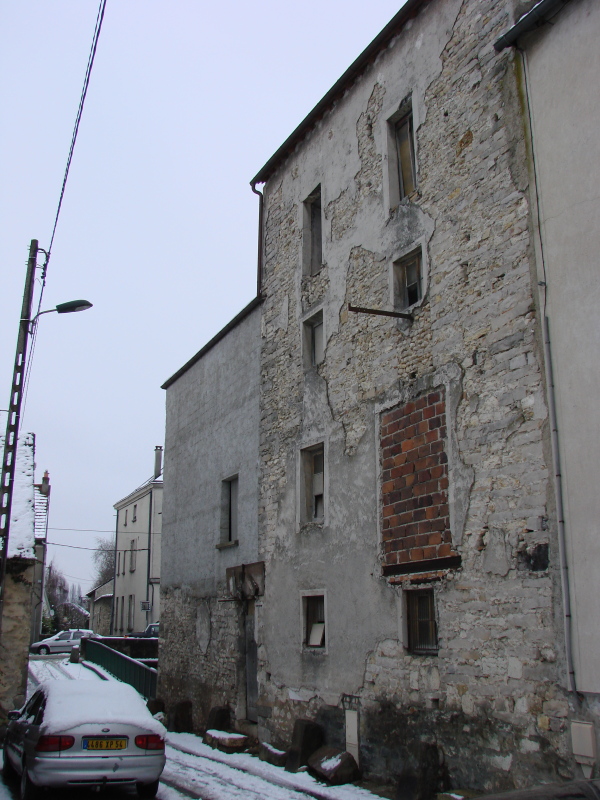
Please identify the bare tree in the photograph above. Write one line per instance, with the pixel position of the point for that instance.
(104, 559)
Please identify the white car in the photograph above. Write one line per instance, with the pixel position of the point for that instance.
(62, 642)
(84, 733)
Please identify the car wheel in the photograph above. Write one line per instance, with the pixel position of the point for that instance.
(43, 650)
(147, 790)
(8, 771)
(28, 790)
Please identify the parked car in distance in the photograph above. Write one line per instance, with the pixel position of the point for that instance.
(151, 632)
(82, 733)
(62, 642)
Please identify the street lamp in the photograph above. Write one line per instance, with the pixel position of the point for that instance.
(26, 325)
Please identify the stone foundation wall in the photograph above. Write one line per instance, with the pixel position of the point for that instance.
(16, 626)
(202, 663)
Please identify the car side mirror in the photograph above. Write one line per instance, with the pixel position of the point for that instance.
(14, 714)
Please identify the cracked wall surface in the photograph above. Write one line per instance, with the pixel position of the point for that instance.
(491, 701)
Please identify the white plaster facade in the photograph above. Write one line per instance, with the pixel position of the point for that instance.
(136, 600)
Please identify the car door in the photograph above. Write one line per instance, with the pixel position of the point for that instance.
(19, 729)
(62, 643)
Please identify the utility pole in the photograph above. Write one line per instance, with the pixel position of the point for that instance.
(12, 423)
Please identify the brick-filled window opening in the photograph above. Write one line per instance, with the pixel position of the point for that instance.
(313, 489)
(313, 233)
(132, 555)
(229, 510)
(314, 341)
(407, 280)
(421, 622)
(314, 616)
(416, 533)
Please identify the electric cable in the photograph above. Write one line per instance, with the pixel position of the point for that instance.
(86, 82)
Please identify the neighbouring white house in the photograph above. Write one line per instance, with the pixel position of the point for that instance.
(136, 601)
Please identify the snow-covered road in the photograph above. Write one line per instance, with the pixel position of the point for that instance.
(193, 769)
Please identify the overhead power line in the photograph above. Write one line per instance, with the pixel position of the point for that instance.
(86, 82)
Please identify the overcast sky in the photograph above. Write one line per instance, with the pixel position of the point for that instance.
(158, 228)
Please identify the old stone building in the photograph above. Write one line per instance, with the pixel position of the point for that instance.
(211, 574)
(414, 559)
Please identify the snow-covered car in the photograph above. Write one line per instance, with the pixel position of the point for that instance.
(62, 642)
(84, 733)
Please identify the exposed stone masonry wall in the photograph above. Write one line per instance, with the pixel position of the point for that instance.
(492, 701)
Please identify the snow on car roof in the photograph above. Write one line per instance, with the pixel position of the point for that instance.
(77, 702)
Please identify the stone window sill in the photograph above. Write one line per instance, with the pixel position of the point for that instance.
(227, 545)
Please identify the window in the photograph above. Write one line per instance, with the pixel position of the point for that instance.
(314, 341)
(122, 620)
(313, 233)
(402, 170)
(229, 511)
(119, 562)
(130, 611)
(407, 280)
(314, 621)
(134, 514)
(125, 523)
(422, 627)
(132, 555)
(313, 468)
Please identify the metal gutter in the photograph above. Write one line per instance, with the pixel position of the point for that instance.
(409, 10)
(539, 15)
(220, 335)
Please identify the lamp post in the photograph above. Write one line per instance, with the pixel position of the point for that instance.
(26, 325)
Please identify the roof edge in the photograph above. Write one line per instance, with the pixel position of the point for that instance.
(209, 345)
(535, 17)
(409, 10)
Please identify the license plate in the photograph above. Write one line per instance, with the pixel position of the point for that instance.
(104, 744)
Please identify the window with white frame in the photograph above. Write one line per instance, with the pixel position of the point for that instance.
(314, 340)
(408, 284)
(312, 242)
(132, 555)
(313, 614)
(313, 484)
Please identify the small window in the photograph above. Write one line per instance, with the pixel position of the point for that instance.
(313, 464)
(314, 621)
(422, 627)
(130, 612)
(119, 563)
(407, 280)
(229, 510)
(132, 555)
(313, 233)
(314, 341)
(134, 514)
(405, 154)
(125, 523)
(401, 161)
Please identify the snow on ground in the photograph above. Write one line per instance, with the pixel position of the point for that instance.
(292, 783)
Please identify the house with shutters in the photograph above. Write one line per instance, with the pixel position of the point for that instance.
(417, 516)
(136, 583)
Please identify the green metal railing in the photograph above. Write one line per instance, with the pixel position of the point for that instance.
(123, 667)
